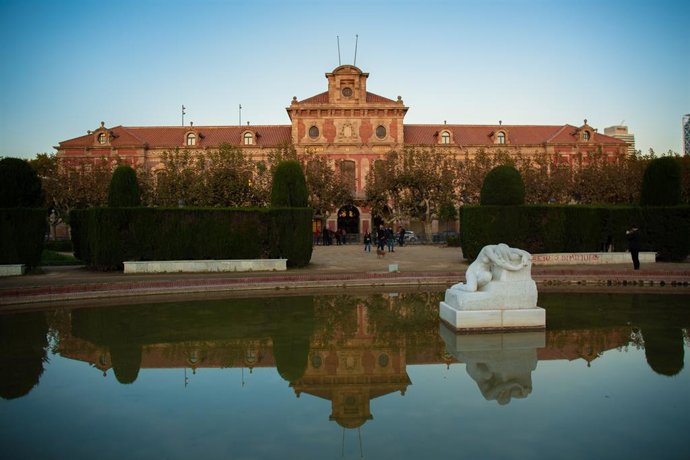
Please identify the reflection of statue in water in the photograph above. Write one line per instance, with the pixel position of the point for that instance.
(502, 381)
(480, 272)
(500, 363)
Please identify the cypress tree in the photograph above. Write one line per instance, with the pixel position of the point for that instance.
(503, 185)
(289, 186)
(20, 186)
(661, 183)
(124, 188)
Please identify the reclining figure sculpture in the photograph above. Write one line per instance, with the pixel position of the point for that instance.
(499, 293)
(479, 273)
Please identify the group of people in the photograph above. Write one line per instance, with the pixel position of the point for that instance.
(328, 236)
(384, 237)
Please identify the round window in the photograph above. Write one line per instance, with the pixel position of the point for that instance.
(313, 132)
(347, 91)
(316, 361)
(383, 360)
(380, 131)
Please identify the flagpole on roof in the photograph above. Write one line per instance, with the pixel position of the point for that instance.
(356, 40)
(338, 38)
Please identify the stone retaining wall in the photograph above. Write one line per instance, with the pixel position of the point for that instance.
(590, 258)
(206, 266)
(12, 270)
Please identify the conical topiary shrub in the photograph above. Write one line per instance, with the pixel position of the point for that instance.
(124, 188)
(503, 185)
(20, 186)
(661, 183)
(289, 186)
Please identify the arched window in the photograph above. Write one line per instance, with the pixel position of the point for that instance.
(191, 139)
(445, 137)
(101, 138)
(248, 138)
(501, 137)
(586, 136)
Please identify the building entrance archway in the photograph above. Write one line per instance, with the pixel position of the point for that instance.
(348, 219)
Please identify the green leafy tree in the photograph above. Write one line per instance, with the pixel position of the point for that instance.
(177, 180)
(124, 188)
(325, 185)
(661, 183)
(227, 178)
(289, 186)
(472, 170)
(20, 186)
(417, 181)
(503, 186)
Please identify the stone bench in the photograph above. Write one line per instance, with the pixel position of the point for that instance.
(12, 270)
(206, 266)
(590, 258)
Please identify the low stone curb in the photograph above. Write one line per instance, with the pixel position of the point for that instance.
(548, 279)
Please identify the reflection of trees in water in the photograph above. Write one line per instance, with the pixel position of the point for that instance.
(659, 323)
(235, 331)
(125, 331)
(23, 346)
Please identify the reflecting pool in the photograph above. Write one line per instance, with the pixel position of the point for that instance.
(345, 376)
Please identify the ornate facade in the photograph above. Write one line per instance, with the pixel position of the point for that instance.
(353, 127)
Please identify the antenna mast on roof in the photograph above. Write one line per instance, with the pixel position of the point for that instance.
(338, 38)
(240, 114)
(356, 40)
(183, 107)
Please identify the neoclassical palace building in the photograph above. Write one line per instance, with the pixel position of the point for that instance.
(352, 126)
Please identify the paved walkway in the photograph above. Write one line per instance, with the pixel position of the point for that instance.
(331, 267)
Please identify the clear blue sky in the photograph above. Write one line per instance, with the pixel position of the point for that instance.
(68, 65)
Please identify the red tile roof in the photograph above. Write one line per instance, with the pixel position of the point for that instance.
(174, 136)
(322, 98)
(481, 134)
(371, 97)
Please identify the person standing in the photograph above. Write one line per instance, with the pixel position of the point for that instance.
(401, 236)
(381, 237)
(390, 239)
(633, 235)
(367, 242)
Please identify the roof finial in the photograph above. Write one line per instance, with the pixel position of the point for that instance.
(585, 121)
(500, 122)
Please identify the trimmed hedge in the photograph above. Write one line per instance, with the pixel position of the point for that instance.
(545, 229)
(22, 232)
(106, 237)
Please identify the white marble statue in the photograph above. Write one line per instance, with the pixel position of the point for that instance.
(499, 293)
(481, 271)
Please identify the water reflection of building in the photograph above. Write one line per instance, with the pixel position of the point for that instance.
(360, 358)
(360, 369)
